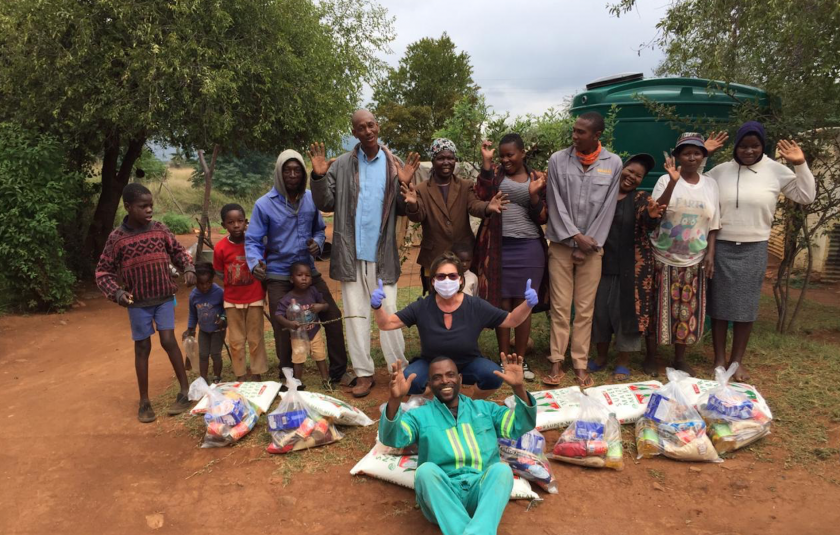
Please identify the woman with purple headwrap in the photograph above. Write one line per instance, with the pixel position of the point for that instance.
(749, 187)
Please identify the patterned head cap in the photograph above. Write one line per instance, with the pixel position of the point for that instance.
(441, 144)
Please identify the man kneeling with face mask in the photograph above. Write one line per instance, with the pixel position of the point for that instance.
(449, 323)
(460, 483)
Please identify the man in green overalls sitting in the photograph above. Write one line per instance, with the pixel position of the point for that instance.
(460, 483)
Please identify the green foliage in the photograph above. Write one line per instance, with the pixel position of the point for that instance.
(543, 135)
(417, 98)
(105, 76)
(37, 195)
(178, 224)
(152, 167)
(243, 174)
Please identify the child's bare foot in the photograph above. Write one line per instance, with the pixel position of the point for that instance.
(146, 414)
(719, 363)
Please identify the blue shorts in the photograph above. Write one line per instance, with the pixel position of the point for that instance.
(478, 372)
(141, 319)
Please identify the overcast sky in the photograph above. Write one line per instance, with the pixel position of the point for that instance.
(528, 55)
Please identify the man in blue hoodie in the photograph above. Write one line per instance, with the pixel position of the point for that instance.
(285, 228)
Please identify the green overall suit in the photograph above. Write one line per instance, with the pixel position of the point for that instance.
(460, 483)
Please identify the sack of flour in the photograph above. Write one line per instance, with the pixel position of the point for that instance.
(555, 408)
(628, 401)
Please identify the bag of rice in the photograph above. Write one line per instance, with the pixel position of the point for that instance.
(628, 401)
(341, 412)
(399, 469)
(555, 408)
(734, 419)
(672, 427)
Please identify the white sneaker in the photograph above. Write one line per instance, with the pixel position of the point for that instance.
(527, 373)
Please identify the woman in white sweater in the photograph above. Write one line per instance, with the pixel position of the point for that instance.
(749, 188)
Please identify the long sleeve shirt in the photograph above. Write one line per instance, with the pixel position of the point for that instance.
(578, 201)
(205, 308)
(141, 257)
(748, 196)
(466, 445)
(278, 235)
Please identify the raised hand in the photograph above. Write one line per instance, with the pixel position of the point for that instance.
(377, 296)
(411, 164)
(497, 203)
(672, 169)
(487, 152)
(318, 158)
(715, 141)
(259, 271)
(409, 192)
(189, 278)
(399, 384)
(312, 245)
(531, 296)
(654, 209)
(791, 152)
(513, 373)
(537, 184)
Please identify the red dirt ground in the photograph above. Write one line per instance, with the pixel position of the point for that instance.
(74, 459)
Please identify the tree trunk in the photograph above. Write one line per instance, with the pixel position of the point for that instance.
(115, 176)
(806, 280)
(204, 225)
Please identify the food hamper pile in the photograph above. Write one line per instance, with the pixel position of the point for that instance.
(592, 440)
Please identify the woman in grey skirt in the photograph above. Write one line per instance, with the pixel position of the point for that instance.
(749, 187)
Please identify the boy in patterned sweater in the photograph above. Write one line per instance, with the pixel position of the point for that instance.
(138, 253)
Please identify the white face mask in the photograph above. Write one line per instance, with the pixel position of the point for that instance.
(447, 287)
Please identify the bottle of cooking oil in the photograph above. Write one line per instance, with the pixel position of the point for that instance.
(612, 434)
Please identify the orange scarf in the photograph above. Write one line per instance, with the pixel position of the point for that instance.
(589, 159)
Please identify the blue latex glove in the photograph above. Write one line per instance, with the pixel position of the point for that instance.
(531, 296)
(377, 296)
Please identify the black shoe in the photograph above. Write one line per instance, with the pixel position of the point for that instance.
(181, 405)
(146, 414)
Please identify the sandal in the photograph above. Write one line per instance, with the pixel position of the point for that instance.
(552, 380)
(593, 366)
(586, 382)
(621, 373)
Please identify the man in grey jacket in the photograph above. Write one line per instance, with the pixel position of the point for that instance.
(361, 188)
(581, 194)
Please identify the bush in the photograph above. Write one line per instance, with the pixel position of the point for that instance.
(178, 224)
(239, 175)
(38, 194)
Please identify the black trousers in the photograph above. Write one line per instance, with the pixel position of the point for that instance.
(336, 348)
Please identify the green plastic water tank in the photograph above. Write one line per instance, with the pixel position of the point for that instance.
(637, 128)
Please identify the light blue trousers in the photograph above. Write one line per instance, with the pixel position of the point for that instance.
(467, 504)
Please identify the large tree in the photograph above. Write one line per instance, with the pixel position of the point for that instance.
(107, 76)
(417, 98)
(790, 50)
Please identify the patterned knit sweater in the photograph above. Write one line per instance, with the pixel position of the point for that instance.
(141, 257)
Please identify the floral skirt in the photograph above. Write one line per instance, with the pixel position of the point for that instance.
(680, 304)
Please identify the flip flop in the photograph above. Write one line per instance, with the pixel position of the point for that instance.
(621, 370)
(552, 380)
(593, 367)
(585, 383)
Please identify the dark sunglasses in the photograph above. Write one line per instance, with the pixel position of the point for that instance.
(444, 276)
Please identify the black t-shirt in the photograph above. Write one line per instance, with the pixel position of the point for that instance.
(460, 343)
(612, 247)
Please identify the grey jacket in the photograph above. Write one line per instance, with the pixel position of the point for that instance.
(338, 192)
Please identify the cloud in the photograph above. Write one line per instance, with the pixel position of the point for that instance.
(530, 55)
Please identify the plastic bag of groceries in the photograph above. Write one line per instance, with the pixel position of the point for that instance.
(672, 427)
(229, 415)
(342, 413)
(733, 419)
(294, 425)
(585, 440)
(526, 457)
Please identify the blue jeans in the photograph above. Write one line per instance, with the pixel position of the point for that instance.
(478, 371)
